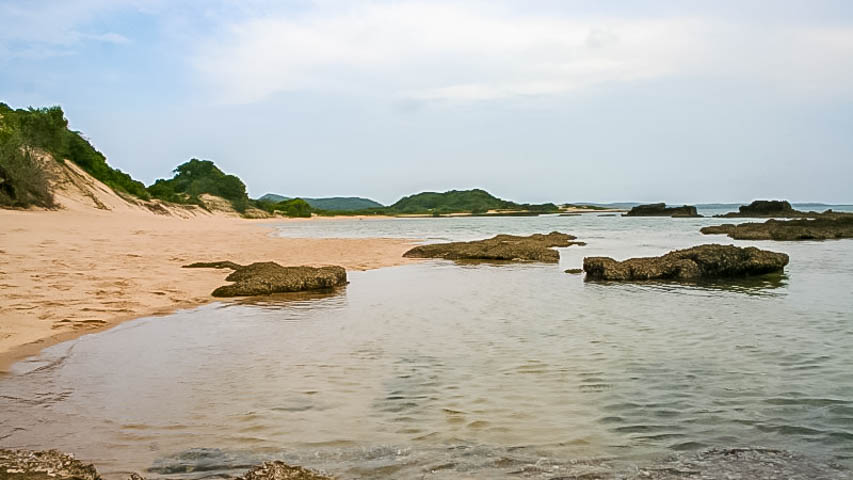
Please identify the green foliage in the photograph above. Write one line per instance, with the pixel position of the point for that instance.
(23, 182)
(197, 177)
(294, 207)
(47, 128)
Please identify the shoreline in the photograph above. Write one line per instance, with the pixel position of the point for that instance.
(69, 273)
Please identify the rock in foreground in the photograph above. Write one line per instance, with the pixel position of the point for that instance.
(704, 261)
(823, 228)
(44, 465)
(535, 248)
(661, 210)
(281, 471)
(265, 278)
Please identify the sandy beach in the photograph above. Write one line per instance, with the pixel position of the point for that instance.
(70, 272)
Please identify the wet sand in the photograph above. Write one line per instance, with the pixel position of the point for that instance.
(71, 272)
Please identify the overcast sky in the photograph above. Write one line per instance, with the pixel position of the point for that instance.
(534, 101)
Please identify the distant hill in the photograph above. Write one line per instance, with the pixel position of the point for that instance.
(329, 203)
(273, 197)
(461, 201)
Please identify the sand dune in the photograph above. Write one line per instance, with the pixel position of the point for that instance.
(102, 259)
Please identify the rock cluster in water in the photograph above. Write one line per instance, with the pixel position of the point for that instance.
(768, 208)
(704, 261)
(535, 248)
(661, 210)
(747, 463)
(825, 227)
(266, 278)
(55, 465)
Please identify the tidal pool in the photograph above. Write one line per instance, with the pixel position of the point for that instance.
(439, 370)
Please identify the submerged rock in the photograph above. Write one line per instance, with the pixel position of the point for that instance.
(704, 261)
(44, 465)
(742, 463)
(661, 210)
(535, 248)
(265, 278)
(220, 264)
(574, 271)
(281, 471)
(749, 463)
(823, 228)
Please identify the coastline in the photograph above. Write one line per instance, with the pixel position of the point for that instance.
(68, 273)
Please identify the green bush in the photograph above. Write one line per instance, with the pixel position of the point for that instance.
(295, 207)
(23, 182)
(197, 177)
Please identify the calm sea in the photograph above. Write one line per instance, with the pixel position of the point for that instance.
(439, 370)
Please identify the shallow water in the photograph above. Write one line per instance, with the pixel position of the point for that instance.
(440, 370)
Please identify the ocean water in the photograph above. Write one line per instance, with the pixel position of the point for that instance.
(441, 370)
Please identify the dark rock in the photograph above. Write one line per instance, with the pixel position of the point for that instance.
(265, 278)
(823, 228)
(535, 248)
(661, 210)
(768, 208)
(704, 261)
(222, 264)
(282, 471)
(575, 271)
(44, 465)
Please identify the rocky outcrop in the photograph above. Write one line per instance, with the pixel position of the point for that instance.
(282, 471)
(768, 208)
(266, 278)
(661, 210)
(55, 465)
(44, 465)
(702, 262)
(822, 228)
(535, 248)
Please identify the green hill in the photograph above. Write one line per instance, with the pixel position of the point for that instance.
(22, 180)
(273, 197)
(329, 203)
(474, 201)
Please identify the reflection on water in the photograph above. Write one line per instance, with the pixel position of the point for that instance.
(442, 370)
(766, 285)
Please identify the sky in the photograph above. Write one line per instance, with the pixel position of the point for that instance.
(534, 101)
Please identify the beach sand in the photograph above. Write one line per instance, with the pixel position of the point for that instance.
(70, 272)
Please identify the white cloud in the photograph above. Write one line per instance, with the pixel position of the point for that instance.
(437, 51)
(442, 51)
(109, 37)
(50, 28)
